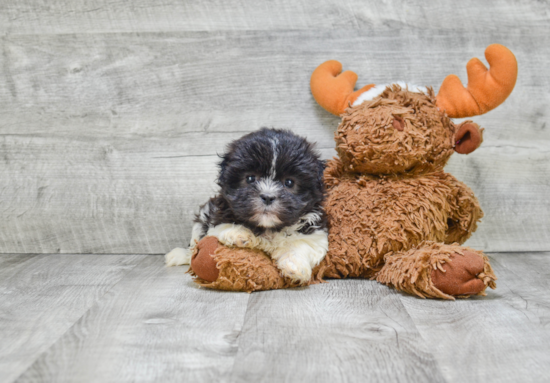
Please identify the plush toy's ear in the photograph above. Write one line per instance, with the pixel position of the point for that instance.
(468, 138)
(332, 89)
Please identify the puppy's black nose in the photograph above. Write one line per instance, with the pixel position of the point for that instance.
(268, 199)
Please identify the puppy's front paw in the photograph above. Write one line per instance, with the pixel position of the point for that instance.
(238, 236)
(242, 240)
(295, 268)
(178, 257)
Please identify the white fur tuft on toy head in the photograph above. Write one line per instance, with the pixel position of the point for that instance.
(377, 90)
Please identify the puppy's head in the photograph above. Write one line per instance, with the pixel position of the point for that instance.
(271, 178)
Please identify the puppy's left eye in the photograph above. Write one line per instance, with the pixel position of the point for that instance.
(289, 183)
(250, 179)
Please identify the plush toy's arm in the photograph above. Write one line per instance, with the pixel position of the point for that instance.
(465, 211)
(234, 269)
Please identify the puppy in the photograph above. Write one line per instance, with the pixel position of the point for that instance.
(271, 199)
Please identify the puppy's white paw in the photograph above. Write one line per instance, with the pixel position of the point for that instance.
(178, 257)
(295, 268)
(237, 236)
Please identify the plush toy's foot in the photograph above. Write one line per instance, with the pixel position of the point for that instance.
(463, 275)
(437, 270)
(234, 269)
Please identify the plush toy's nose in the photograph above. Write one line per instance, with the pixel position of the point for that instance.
(398, 123)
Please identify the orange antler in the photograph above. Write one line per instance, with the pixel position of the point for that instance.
(486, 89)
(332, 89)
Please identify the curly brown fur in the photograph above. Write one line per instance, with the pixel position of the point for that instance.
(367, 141)
(371, 216)
(388, 193)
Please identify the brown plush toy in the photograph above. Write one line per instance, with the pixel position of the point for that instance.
(394, 214)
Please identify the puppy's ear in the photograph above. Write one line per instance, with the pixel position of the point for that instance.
(223, 166)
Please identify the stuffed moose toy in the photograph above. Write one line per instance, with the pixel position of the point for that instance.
(394, 215)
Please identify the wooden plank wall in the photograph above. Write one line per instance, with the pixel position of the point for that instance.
(111, 114)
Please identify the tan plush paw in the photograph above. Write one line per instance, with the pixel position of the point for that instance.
(462, 276)
(295, 268)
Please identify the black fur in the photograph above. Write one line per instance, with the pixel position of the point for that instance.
(240, 202)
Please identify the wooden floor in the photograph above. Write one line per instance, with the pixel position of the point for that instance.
(118, 318)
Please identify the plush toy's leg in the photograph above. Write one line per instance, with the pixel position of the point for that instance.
(436, 270)
(235, 269)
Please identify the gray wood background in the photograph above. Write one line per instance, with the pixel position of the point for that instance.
(111, 113)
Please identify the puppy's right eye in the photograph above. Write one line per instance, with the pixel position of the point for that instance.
(250, 179)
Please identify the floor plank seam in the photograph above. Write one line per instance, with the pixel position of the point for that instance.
(238, 337)
(426, 342)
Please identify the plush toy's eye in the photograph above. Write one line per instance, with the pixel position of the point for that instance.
(250, 179)
(289, 183)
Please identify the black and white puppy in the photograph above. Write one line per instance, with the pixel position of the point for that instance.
(271, 199)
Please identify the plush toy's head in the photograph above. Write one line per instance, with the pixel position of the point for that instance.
(403, 129)
(398, 132)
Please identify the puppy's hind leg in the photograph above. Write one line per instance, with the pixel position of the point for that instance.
(179, 256)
